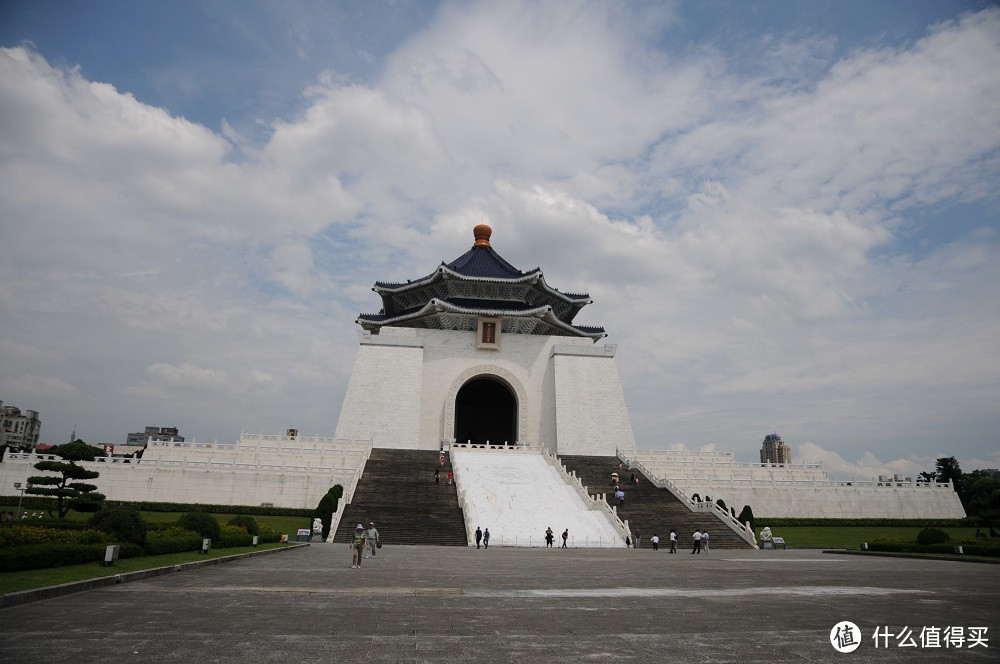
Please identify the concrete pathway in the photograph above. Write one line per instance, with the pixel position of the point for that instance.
(446, 604)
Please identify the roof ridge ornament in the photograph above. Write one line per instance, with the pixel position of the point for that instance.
(482, 233)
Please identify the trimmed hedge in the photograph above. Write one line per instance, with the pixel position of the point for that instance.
(57, 554)
(915, 523)
(49, 504)
(969, 547)
(253, 510)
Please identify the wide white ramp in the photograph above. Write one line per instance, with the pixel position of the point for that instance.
(518, 495)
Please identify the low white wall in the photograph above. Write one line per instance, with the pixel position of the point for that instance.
(799, 491)
(190, 473)
(835, 500)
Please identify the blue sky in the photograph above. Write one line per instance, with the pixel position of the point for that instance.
(786, 213)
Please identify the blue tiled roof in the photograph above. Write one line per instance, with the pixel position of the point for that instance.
(485, 262)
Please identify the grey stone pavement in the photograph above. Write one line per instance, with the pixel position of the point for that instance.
(445, 604)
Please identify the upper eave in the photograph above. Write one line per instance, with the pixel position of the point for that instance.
(443, 272)
(435, 306)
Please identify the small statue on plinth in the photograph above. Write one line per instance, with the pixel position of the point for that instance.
(317, 530)
(765, 538)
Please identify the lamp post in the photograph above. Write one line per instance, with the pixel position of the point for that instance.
(17, 485)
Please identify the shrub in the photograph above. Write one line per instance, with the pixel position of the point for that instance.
(233, 536)
(932, 536)
(721, 503)
(125, 525)
(202, 523)
(247, 523)
(269, 534)
(747, 515)
(172, 540)
(327, 506)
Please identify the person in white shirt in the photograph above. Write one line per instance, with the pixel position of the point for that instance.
(704, 540)
(655, 541)
(673, 541)
(697, 542)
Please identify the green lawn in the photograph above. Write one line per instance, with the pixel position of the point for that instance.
(850, 537)
(39, 578)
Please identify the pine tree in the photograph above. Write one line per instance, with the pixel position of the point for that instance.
(68, 491)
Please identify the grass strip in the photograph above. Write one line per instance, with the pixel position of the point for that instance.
(11, 582)
(961, 558)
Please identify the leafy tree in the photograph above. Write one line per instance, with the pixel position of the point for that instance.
(948, 469)
(928, 477)
(327, 506)
(981, 494)
(69, 492)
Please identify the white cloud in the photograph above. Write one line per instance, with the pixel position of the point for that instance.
(743, 235)
(187, 376)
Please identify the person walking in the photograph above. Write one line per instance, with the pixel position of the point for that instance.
(479, 536)
(636, 542)
(697, 542)
(548, 538)
(673, 541)
(451, 476)
(357, 545)
(655, 541)
(704, 540)
(620, 495)
(437, 475)
(486, 538)
(373, 541)
(565, 536)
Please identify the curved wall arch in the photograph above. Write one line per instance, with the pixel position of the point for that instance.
(494, 372)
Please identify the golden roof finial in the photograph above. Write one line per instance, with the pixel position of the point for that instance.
(482, 233)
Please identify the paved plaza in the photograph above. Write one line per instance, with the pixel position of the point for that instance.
(445, 604)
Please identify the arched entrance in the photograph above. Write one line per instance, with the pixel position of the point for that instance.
(486, 410)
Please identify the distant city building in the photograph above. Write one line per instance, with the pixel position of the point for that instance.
(774, 450)
(19, 433)
(154, 433)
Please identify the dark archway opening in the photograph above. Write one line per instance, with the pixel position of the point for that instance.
(485, 410)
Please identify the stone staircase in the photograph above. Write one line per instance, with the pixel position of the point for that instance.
(397, 492)
(650, 510)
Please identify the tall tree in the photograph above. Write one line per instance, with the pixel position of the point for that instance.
(948, 469)
(69, 492)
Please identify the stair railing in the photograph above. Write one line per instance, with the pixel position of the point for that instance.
(598, 502)
(744, 531)
(463, 504)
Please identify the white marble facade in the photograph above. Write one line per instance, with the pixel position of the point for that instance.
(567, 391)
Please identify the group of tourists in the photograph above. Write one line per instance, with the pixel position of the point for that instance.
(550, 538)
(700, 538)
(362, 540)
(482, 537)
